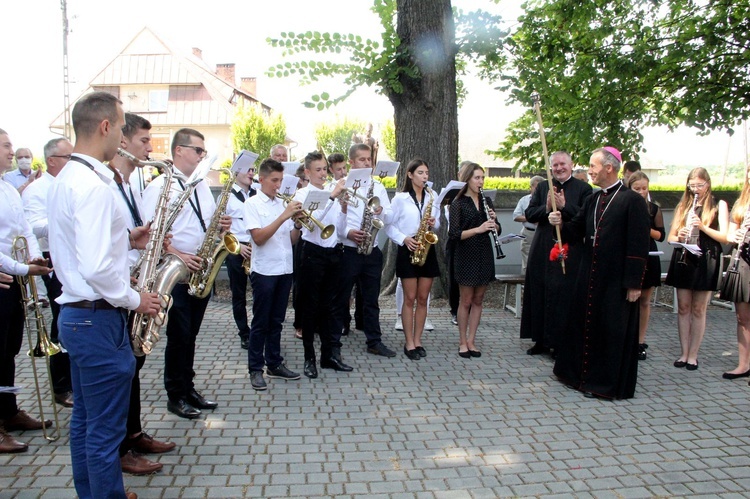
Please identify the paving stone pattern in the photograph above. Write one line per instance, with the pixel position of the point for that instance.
(441, 427)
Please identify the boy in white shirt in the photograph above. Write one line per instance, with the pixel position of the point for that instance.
(273, 232)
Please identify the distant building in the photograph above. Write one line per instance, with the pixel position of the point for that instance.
(173, 91)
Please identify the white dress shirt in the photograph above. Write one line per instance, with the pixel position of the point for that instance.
(124, 207)
(407, 216)
(88, 234)
(520, 211)
(274, 257)
(236, 210)
(187, 233)
(327, 215)
(353, 219)
(35, 207)
(16, 178)
(13, 223)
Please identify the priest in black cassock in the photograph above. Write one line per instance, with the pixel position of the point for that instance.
(600, 354)
(547, 291)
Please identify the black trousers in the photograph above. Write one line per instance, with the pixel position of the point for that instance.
(11, 337)
(296, 252)
(59, 364)
(365, 270)
(238, 285)
(134, 408)
(319, 276)
(185, 318)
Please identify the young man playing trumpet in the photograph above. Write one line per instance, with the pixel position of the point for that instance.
(319, 270)
(273, 233)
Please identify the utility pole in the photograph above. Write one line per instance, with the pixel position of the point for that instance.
(66, 80)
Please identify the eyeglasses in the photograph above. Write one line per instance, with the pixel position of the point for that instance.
(64, 156)
(697, 186)
(198, 150)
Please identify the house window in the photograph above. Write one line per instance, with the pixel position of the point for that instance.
(157, 100)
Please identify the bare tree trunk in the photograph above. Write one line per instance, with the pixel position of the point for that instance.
(426, 114)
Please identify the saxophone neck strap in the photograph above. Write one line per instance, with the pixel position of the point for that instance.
(195, 206)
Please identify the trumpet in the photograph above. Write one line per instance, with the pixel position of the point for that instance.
(308, 221)
(44, 347)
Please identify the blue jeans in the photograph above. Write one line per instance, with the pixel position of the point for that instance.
(270, 298)
(101, 368)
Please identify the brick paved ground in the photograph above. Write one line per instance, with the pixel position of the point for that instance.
(498, 426)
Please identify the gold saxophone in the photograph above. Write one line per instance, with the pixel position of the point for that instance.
(154, 273)
(425, 237)
(370, 225)
(215, 247)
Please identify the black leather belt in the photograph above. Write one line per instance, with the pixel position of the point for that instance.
(320, 249)
(100, 304)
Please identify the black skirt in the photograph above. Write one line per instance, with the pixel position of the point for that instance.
(735, 286)
(405, 270)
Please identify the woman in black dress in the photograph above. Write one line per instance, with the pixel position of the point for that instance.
(737, 288)
(417, 203)
(638, 182)
(474, 262)
(698, 219)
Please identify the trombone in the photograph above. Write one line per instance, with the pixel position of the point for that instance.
(44, 347)
(307, 220)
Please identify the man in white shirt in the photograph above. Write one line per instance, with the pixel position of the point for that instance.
(241, 191)
(136, 139)
(279, 153)
(12, 225)
(519, 215)
(272, 234)
(23, 176)
(56, 155)
(88, 235)
(364, 269)
(319, 271)
(188, 233)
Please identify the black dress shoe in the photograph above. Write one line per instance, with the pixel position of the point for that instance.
(679, 363)
(196, 400)
(475, 353)
(64, 399)
(412, 354)
(336, 364)
(421, 351)
(691, 367)
(183, 409)
(464, 355)
(244, 343)
(310, 370)
(537, 349)
(589, 395)
(735, 376)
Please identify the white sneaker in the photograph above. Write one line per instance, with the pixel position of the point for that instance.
(428, 326)
(399, 326)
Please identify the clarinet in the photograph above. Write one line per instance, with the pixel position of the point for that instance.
(493, 233)
(692, 237)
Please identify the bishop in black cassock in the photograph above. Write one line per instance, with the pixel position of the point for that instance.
(547, 291)
(599, 356)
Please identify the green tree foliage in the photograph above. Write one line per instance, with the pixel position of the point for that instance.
(388, 138)
(606, 69)
(256, 131)
(337, 136)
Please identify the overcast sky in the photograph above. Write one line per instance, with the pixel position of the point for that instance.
(236, 31)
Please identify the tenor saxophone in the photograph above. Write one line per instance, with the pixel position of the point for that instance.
(425, 237)
(155, 274)
(215, 247)
(370, 225)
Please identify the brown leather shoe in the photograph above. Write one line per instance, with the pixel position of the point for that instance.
(9, 445)
(131, 495)
(22, 421)
(145, 444)
(65, 399)
(135, 464)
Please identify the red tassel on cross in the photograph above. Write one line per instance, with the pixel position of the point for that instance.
(558, 254)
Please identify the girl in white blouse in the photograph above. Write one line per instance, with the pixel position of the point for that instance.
(415, 205)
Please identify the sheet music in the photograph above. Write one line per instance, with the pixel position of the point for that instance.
(692, 248)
